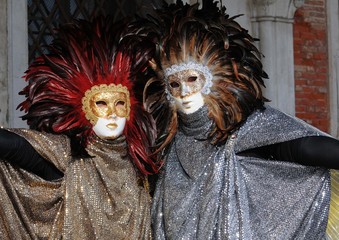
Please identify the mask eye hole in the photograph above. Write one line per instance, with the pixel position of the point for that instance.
(174, 84)
(120, 103)
(101, 104)
(192, 79)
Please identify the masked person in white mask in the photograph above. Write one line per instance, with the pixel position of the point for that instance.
(80, 171)
(234, 167)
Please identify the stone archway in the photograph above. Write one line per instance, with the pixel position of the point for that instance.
(272, 22)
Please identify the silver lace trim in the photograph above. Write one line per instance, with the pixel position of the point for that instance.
(190, 65)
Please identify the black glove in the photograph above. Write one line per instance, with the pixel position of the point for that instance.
(17, 151)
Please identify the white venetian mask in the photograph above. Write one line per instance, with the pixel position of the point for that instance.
(185, 85)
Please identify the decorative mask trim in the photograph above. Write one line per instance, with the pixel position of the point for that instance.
(190, 65)
(86, 100)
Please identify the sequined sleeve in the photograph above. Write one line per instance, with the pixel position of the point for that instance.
(17, 151)
(54, 148)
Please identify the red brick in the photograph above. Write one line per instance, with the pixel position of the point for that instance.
(311, 64)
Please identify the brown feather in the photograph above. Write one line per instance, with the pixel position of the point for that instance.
(206, 35)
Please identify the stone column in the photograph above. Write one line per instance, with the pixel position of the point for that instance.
(17, 57)
(272, 22)
(3, 65)
(333, 58)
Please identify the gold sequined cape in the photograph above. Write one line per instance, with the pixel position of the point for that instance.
(98, 197)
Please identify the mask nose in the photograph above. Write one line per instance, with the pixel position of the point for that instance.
(112, 116)
(111, 113)
(184, 90)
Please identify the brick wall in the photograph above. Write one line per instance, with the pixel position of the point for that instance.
(311, 64)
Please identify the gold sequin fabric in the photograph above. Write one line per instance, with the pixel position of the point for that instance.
(98, 198)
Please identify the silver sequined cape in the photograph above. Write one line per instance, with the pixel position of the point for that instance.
(98, 198)
(208, 192)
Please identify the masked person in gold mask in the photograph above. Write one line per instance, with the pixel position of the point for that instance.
(80, 171)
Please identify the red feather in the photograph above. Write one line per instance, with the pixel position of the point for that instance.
(88, 53)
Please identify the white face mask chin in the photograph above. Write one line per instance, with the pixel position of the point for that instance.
(189, 104)
(109, 128)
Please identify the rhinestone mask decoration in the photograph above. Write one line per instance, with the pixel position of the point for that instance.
(187, 78)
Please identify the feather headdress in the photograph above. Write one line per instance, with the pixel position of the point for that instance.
(86, 54)
(207, 37)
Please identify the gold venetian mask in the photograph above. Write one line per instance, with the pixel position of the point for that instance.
(103, 101)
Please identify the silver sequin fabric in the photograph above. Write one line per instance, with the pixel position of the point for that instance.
(209, 192)
(99, 197)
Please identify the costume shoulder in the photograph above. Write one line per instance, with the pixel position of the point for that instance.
(269, 126)
(54, 148)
